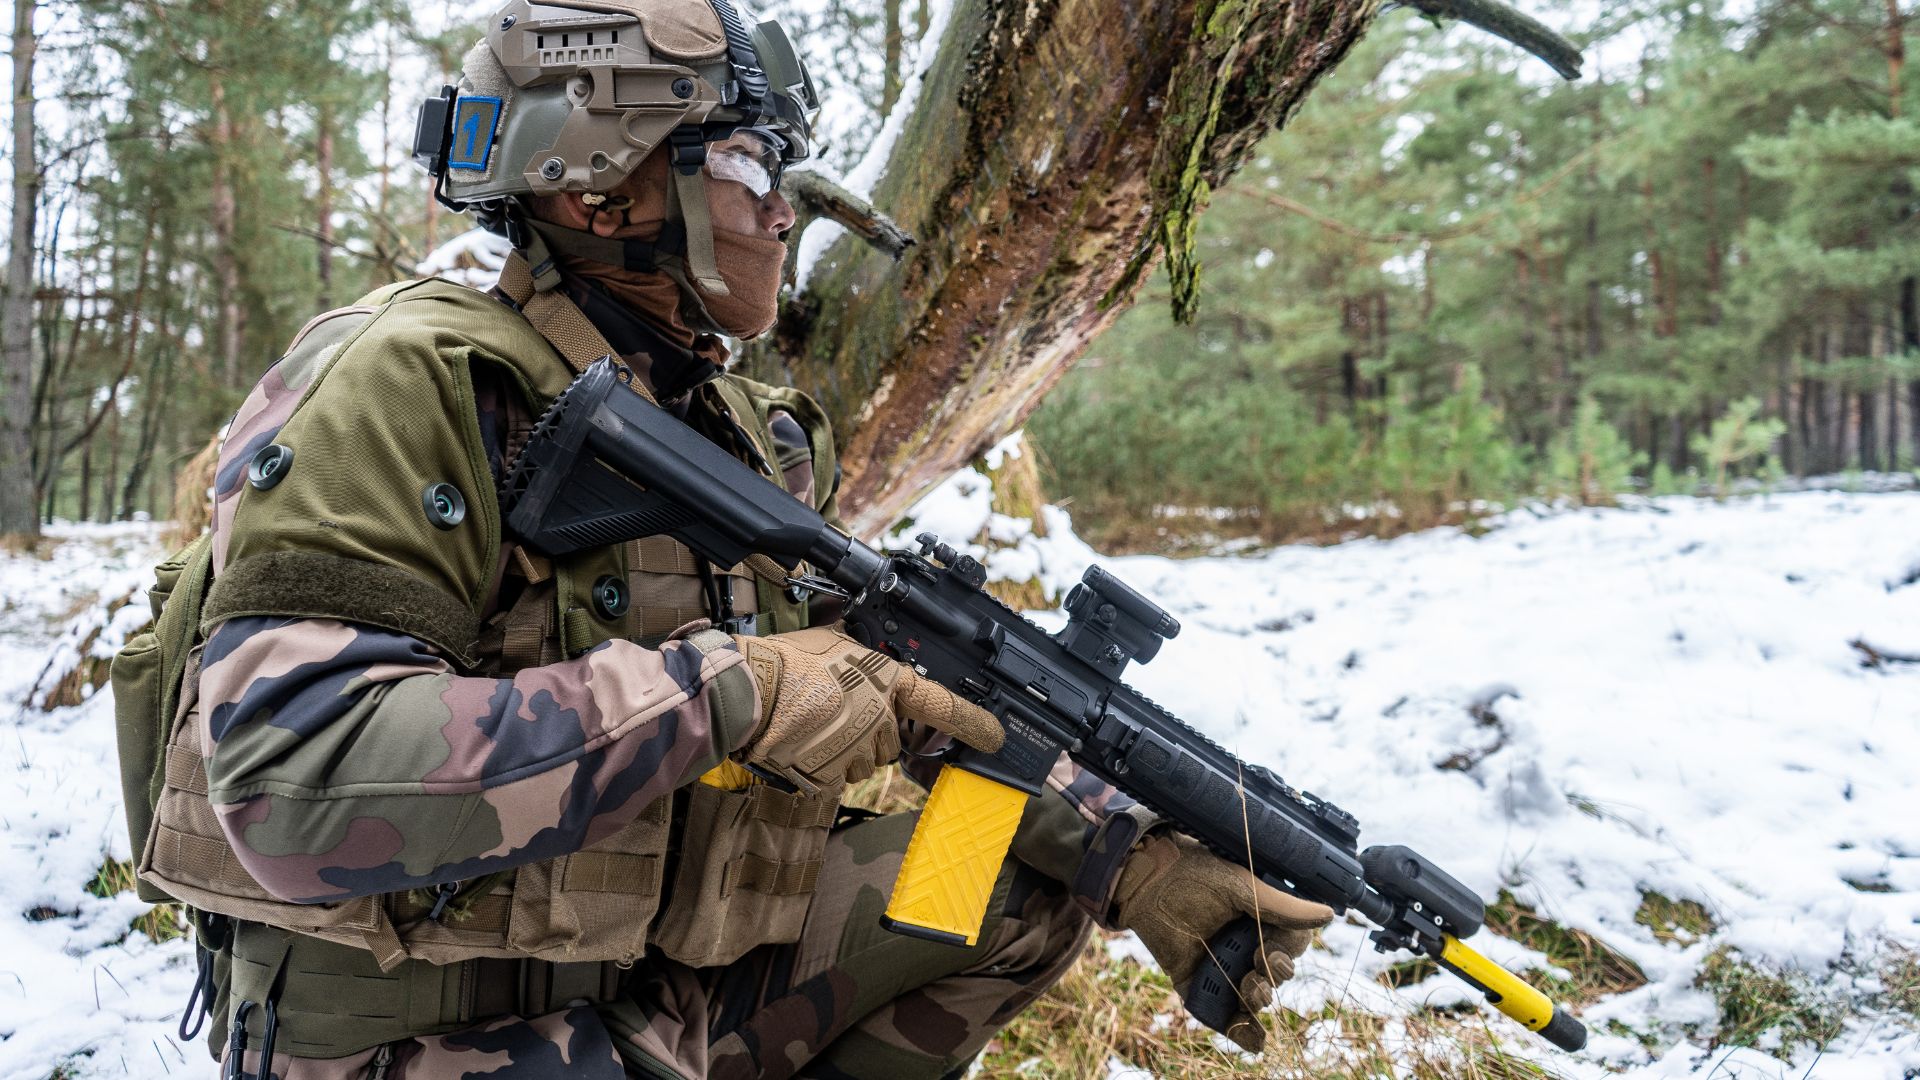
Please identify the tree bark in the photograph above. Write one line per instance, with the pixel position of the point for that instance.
(1909, 348)
(323, 212)
(892, 47)
(1710, 187)
(1057, 148)
(1868, 433)
(18, 513)
(226, 257)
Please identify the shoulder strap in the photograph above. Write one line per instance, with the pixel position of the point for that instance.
(535, 288)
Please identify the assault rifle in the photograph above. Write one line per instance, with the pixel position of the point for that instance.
(605, 465)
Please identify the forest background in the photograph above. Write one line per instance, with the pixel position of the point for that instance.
(1453, 281)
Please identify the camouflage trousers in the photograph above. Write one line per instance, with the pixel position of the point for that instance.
(848, 1001)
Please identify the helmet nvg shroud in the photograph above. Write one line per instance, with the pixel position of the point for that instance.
(571, 95)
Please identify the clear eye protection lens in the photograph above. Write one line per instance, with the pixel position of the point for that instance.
(741, 167)
(750, 157)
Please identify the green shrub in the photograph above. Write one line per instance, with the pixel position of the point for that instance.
(1738, 437)
(1137, 448)
(1591, 461)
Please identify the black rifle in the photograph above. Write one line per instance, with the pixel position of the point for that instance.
(605, 465)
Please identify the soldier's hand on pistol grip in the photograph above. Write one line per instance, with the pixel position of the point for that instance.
(829, 708)
(1177, 895)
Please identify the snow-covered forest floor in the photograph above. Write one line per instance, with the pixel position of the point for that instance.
(1673, 739)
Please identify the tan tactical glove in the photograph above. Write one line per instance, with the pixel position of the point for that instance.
(829, 708)
(1177, 895)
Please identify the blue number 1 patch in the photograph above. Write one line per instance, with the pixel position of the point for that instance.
(474, 119)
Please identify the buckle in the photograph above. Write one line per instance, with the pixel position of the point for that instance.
(687, 149)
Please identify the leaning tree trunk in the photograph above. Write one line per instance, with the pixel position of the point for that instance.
(18, 514)
(1058, 147)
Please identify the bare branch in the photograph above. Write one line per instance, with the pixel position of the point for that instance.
(814, 194)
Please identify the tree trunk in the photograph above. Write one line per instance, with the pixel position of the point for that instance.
(1868, 432)
(112, 471)
(18, 514)
(892, 46)
(1596, 341)
(156, 391)
(1909, 348)
(1791, 454)
(1056, 149)
(86, 478)
(226, 256)
(1711, 199)
(323, 212)
(158, 384)
(1660, 287)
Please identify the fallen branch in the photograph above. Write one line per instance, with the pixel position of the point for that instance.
(1873, 656)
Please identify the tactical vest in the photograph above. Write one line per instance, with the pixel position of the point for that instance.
(700, 876)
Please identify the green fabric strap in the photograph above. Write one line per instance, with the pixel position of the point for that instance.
(577, 631)
(689, 198)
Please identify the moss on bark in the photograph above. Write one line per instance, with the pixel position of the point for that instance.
(1057, 146)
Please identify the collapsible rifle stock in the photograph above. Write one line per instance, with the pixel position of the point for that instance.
(605, 465)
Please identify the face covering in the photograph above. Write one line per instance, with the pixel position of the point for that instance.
(750, 265)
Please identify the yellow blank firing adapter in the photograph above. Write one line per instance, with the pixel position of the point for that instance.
(1505, 991)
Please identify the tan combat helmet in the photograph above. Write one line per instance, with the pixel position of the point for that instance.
(571, 95)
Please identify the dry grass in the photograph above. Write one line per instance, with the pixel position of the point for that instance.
(1177, 533)
(1756, 1002)
(77, 684)
(192, 510)
(1673, 922)
(1900, 980)
(1594, 971)
(36, 547)
(1017, 493)
(1107, 1009)
(162, 922)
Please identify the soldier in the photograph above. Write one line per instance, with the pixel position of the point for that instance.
(446, 808)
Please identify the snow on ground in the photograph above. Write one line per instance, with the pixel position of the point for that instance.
(1682, 712)
(72, 979)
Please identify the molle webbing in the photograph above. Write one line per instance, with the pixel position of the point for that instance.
(147, 675)
(762, 875)
(668, 591)
(333, 1000)
(785, 810)
(306, 584)
(187, 854)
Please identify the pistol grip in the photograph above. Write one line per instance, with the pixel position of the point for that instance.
(954, 858)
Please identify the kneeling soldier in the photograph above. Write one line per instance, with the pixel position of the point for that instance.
(446, 808)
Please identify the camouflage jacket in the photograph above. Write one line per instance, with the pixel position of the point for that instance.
(355, 742)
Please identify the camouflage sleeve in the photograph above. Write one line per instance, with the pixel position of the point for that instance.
(344, 760)
(1080, 835)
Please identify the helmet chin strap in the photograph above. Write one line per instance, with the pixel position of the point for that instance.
(687, 203)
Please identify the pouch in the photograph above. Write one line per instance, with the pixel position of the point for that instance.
(749, 861)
